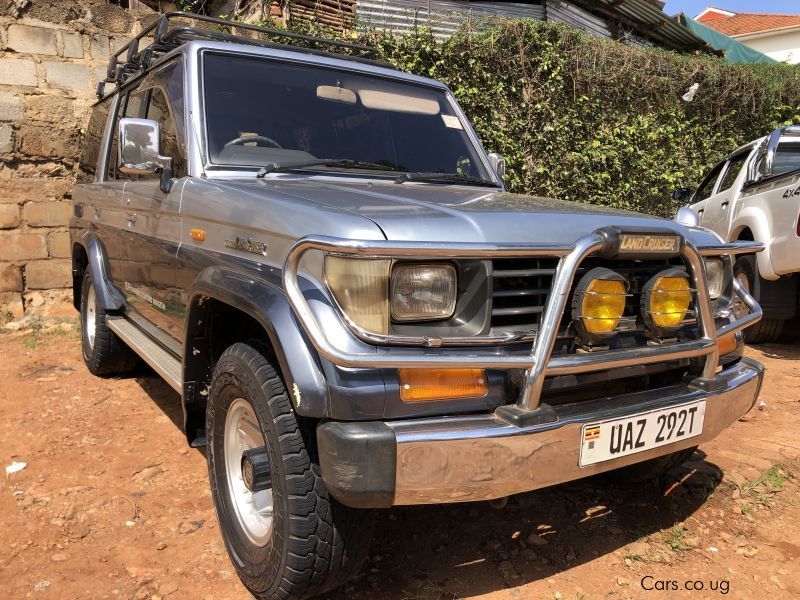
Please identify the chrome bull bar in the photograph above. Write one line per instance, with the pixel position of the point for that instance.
(539, 363)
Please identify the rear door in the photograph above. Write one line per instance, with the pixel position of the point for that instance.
(719, 206)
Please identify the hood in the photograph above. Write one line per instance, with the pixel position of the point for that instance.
(431, 212)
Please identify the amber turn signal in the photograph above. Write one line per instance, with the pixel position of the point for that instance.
(424, 385)
(726, 343)
(198, 234)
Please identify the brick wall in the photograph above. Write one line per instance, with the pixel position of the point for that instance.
(52, 54)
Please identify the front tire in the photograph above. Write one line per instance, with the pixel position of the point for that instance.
(287, 538)
(766, 330)
(103, 352)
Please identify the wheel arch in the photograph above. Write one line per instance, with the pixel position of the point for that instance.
(89, 253)
(751, 224)
(226, 307)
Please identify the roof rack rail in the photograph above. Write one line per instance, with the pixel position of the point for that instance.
(166, 39)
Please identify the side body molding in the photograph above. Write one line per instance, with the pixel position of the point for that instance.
(265, 302)
(108, 295)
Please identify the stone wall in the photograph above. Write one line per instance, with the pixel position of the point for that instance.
(52, 54)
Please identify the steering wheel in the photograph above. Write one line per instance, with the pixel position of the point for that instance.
(246, 139)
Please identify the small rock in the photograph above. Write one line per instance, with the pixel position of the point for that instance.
(160, 546)
(130, 523)
(639, 548)
(736, 478)
(535, 539)
(41, 586)
(692, 541)
(494, 545)
(188, 527)
(148, 473)
(165, 589)
(621, 581)
(528, 555)
(15, 467)
(736, 494)
(59, 557)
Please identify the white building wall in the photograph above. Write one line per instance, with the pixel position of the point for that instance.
(782, 46)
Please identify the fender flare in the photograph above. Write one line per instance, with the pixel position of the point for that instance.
(265, 302)
(108, 295)
(754, 219)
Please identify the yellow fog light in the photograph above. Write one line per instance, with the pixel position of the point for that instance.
(666, 299)
(599, 302)
(423, 385)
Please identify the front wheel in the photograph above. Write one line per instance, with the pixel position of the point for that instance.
(766, 330)
(285, 536)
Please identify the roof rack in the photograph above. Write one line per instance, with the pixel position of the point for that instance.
(166, 39)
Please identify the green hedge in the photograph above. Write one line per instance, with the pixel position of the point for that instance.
(593, 120)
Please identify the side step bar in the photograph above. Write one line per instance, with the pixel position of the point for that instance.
(163, 362)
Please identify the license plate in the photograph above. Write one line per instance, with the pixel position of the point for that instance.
(614, 438)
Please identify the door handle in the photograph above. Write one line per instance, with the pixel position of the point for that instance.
(725, 204)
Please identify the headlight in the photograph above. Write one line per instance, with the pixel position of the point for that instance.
(715, 271)
(423, 292)
(360, 287)
(666, 299)
(599, 302)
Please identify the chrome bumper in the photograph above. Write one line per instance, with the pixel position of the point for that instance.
(481, 457)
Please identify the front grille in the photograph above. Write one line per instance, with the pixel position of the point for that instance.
(519, 293)
(521, 287)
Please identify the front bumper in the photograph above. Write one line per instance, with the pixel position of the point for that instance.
(481, 457)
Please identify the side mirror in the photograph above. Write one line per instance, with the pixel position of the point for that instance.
(682, 195)
(688, 217)
(139, 147)
(499, 165)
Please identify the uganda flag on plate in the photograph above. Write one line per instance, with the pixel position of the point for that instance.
(591, 433)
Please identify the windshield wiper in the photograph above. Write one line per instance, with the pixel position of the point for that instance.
(343, 163)
(444, 178)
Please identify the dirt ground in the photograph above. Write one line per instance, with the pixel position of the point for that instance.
(113, 504)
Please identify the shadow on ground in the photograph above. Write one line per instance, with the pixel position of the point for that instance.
(448, 551)
(473, 549)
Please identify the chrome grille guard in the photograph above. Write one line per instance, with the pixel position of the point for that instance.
(539, 362)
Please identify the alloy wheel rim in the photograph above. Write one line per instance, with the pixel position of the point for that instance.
(253, 509)
(91, 317)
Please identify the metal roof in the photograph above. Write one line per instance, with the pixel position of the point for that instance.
(649, 21)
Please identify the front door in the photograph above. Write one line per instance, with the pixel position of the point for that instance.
(719, 207)
(153, 221)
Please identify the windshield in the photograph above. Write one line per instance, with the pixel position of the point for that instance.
(267, 112)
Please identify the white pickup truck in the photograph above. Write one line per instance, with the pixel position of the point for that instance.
(754, 194)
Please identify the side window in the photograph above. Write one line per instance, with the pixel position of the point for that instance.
(787, 158)
(93, 140)
(734, 168)
(159, 109)
(707, 187)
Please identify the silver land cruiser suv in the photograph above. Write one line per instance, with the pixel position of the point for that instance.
(316, 252)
